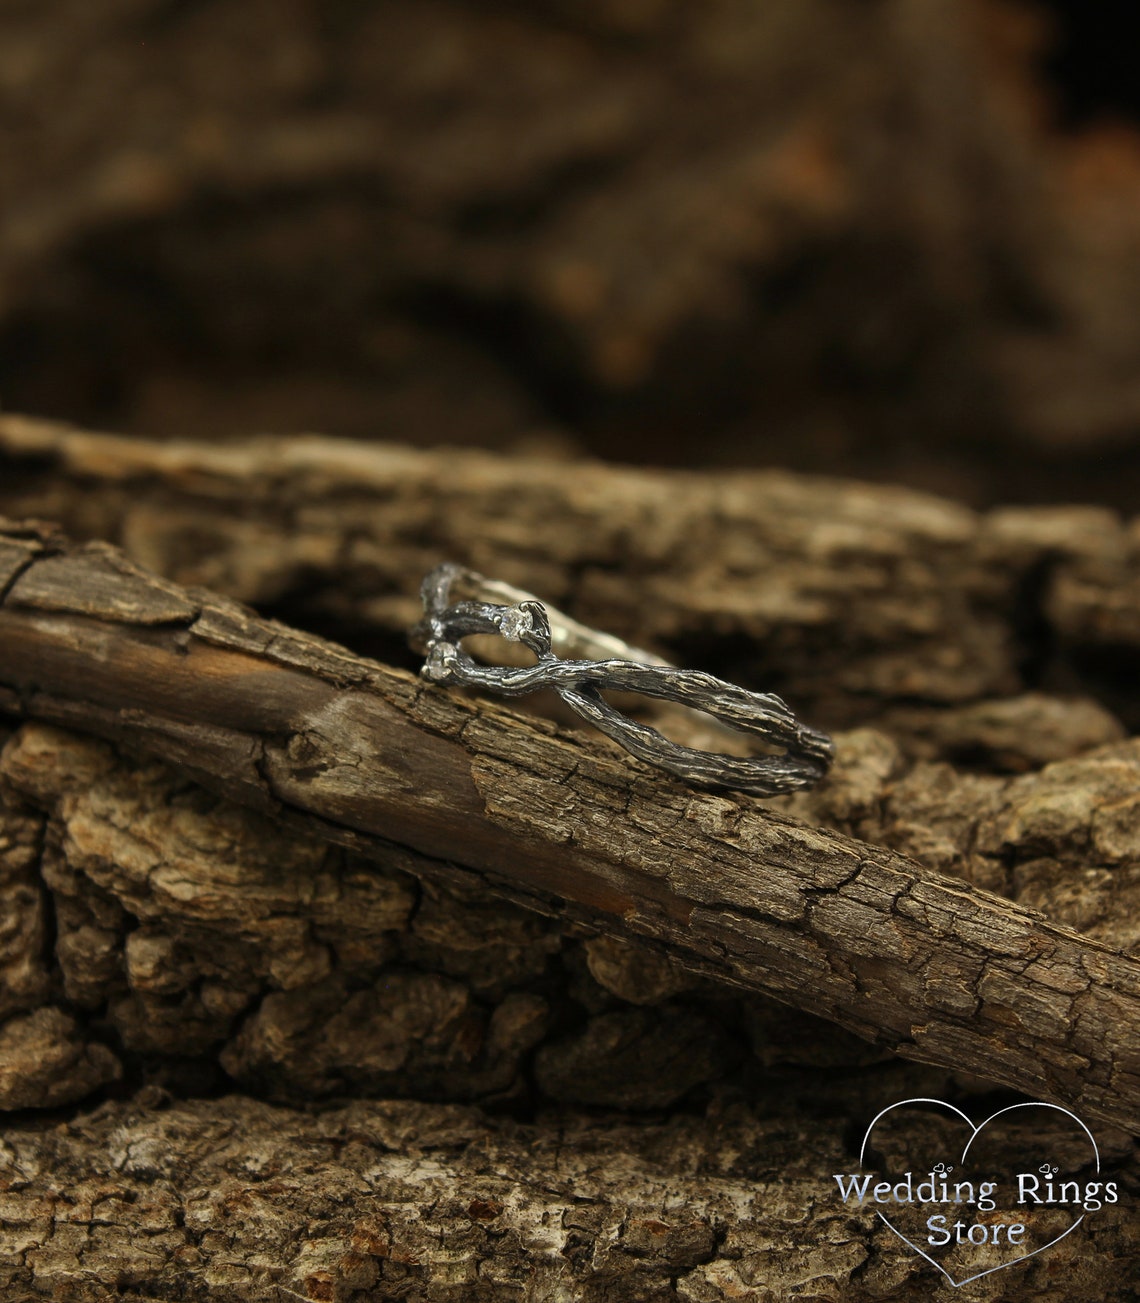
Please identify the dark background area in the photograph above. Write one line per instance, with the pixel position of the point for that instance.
(1090, 64)
(895, 240)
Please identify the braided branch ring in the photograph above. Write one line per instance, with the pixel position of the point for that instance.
(808, 753)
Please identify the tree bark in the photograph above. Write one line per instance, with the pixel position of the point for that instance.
(846, 597)
(239, 1201)
(935, 968)
(432, 914)
(653, 230)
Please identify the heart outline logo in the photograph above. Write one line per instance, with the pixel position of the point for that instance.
(974, 1132)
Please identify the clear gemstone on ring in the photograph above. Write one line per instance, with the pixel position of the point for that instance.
(514, 622)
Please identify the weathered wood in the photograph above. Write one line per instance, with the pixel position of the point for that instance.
(211, 939)
(237, 1201)
(848, 598)
(937, 969)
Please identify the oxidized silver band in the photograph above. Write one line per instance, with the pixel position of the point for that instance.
(519, 617)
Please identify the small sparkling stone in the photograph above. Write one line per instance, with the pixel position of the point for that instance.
(440, 663)
(514, 623)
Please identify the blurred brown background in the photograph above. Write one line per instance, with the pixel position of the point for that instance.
(897, 239)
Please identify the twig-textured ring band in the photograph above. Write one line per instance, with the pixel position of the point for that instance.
(522, 618)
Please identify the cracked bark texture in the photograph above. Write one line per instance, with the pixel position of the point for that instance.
(230, 1199)
(933, 967)
(235, 1199)
(844, 597)
(836, 236)
(162, 936)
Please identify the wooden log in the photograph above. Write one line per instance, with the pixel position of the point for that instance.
(850, 598)
(935, 968)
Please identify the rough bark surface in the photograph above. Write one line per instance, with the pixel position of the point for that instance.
(354, 936)
(237, 1201)
(840, 236)
(936, 968)
(844, 597)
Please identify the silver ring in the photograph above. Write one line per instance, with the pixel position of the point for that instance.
(517, 616)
